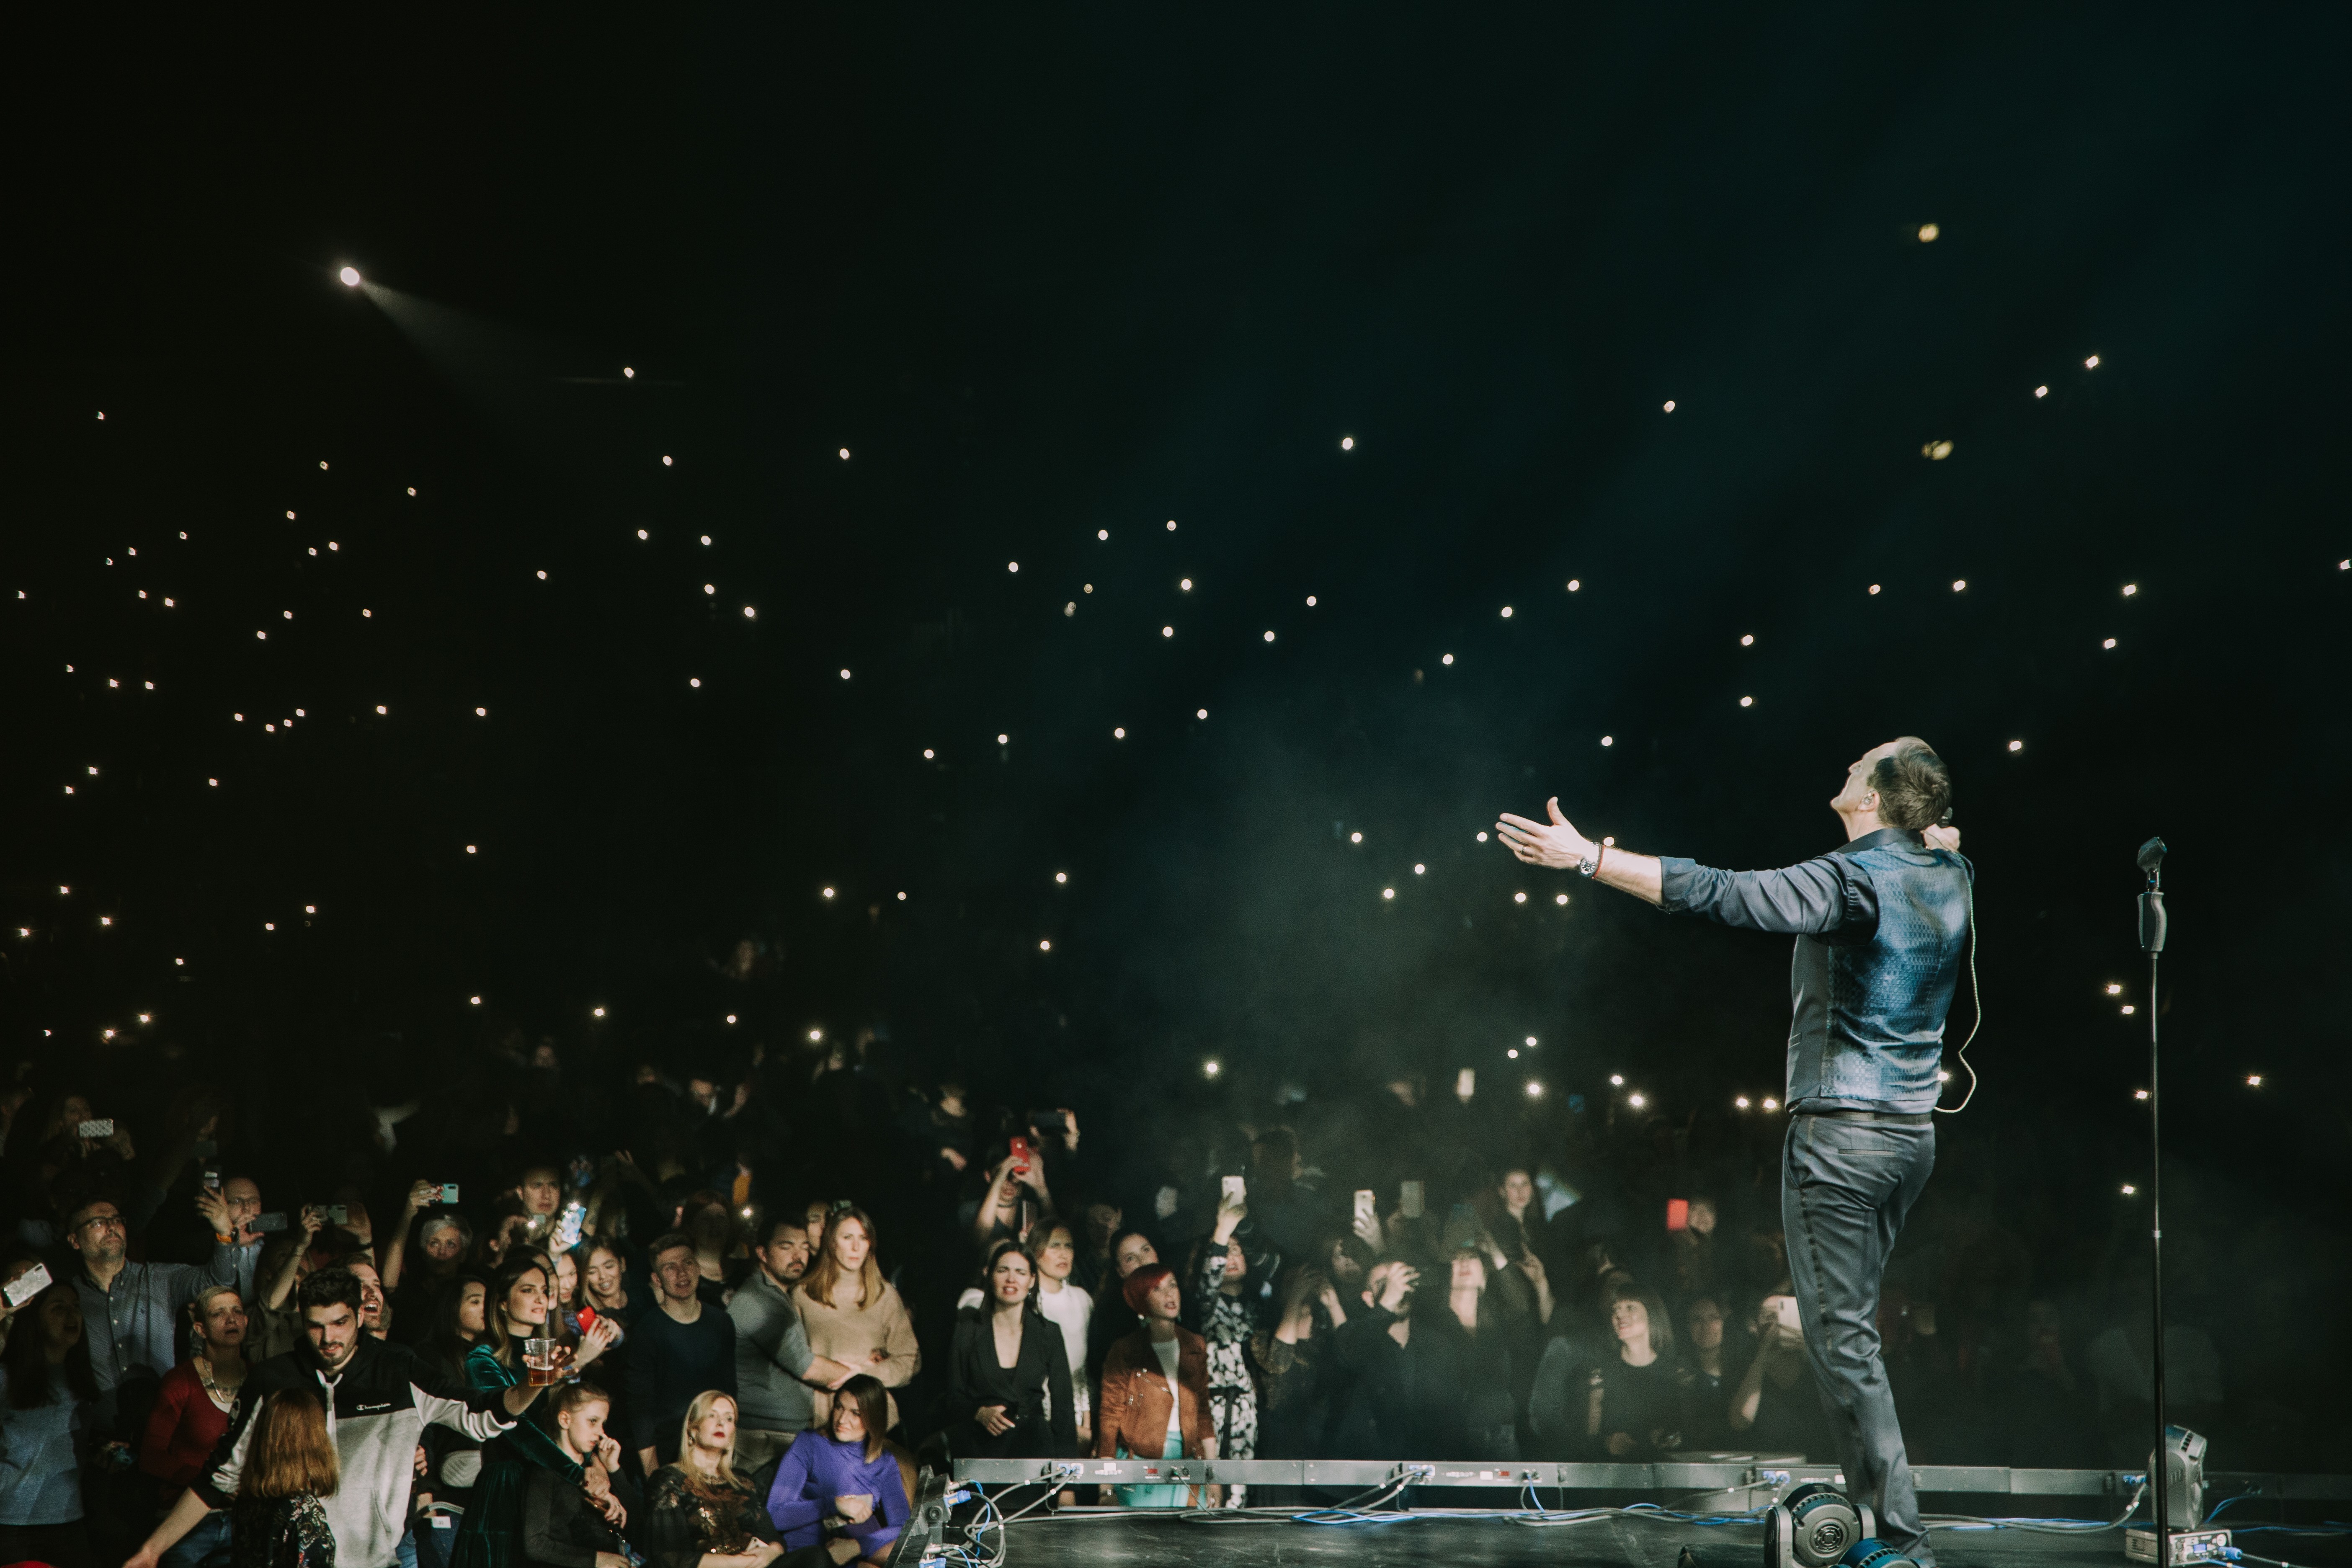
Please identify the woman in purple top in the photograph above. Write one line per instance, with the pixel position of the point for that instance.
(843, 1484)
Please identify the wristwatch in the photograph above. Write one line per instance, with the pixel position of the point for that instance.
(1591, 863)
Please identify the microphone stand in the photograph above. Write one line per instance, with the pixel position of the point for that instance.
(2151, 940)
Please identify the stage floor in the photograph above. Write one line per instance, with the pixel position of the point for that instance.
(1171, 1542)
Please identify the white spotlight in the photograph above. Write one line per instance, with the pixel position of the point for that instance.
(351, 277)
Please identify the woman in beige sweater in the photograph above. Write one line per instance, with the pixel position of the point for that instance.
(852, 1315)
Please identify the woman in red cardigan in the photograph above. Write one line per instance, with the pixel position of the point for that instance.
(190, 1412)
(1155, 1390)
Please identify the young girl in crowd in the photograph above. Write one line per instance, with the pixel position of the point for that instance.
(290, 1463)
(563, 1526)
(843, 1481)
(47, 1388)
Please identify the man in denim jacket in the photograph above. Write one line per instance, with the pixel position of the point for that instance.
(1881, 926)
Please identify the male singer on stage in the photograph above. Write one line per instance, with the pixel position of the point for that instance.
(1880, 925)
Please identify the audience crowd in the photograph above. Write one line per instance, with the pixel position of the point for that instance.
(701, 1305)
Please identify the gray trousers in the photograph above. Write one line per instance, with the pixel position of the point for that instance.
(1846, 1183)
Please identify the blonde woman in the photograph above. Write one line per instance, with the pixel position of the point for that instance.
(852, 1315)
(699, 1512)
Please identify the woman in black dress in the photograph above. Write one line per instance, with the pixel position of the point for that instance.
(1008, 1373)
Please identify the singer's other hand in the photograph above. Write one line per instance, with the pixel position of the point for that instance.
(1556, 844)
(1941, 837)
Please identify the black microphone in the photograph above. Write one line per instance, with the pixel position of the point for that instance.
(2151, 902)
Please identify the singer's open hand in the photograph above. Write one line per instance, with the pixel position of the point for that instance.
(1556, 844)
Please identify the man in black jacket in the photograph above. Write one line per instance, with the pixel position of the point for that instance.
(675, 1354)
(380, 1398)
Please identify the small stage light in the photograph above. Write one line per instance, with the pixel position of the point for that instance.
(351, 277)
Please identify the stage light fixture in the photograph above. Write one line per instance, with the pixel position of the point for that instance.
(1507, 612)
(1608, 739)
(351, 277)
(1575, 584)
(1418, 868)
(2040, 392)
(1212, 1068)
(1347, 443)
(1352, 838)
(1445, 659)
(1388, 892)
(1740, 1100)
(2253, 1081)
(1535, 1090)
(1617, 1079)
(597, 1012)
(828, 892)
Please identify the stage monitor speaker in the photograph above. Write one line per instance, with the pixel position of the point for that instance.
(1813, 1526)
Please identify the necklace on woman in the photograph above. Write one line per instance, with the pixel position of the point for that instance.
(222, 1393)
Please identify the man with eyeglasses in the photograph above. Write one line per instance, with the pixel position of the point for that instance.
(129, 1316)
(130, 1311)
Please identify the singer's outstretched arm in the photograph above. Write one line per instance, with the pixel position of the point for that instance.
(1558, 845)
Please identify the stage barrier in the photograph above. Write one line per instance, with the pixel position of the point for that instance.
(1724, 1474)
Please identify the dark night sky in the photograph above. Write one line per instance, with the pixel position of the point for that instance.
(1065, 271)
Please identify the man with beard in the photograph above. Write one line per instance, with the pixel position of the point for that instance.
(1882, 924)
(379, 1397)
(774, 1368)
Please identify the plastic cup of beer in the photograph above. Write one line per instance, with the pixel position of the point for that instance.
(539, 1358)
